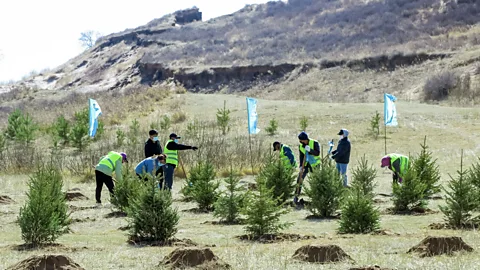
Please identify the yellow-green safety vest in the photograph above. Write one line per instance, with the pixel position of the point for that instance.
(110, 160)
(311, 143)
(172, 155)
(403, 163)
(285, 159)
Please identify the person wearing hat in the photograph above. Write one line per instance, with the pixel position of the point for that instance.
(152, 144)
(171, 150)
(286, 154)
(398, 164)
(309, 153)
(149, 166)
(342, 155)
(108, 164)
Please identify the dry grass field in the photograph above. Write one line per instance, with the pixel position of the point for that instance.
(97, 243)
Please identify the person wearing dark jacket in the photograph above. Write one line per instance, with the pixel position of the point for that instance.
(342, 155)
(171, 150)
(311, 149)
(152, 145)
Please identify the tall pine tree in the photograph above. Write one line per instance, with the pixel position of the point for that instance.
(364, 177)
(461, 199)
(427, 170)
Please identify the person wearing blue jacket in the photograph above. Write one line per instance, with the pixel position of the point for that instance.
(150, 166)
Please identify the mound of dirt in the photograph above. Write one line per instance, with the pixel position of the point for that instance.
(47, 262)
(200, 258)
(321, 254)
(75, 196)
(375, 267)
(116, 214)
(81, 220)
(432, 246)
(275, 238)
(385, 233)
(6, 200)
(172, 242)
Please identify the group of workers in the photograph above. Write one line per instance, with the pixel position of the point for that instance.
(158, 162)
(162, 162)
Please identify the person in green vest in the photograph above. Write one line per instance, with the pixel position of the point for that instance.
(108, 164)
(309, 156)
(398, 164)
(286, 154)
(171, 150)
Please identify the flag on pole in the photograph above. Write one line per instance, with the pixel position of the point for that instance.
(252, 116)
(94, 113)
(390, 112)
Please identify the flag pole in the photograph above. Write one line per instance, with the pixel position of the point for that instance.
(385, 138)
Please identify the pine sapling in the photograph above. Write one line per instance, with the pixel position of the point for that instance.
(427, 170)
(462, 198)
(223, 118)
(359, 215)
(279, 177)
(204, 186)
(126, 190)
(272, 128)
(262, 212)
(228, 205)
(410, 194)
(303, 123)
(375, 125)
(364, 177)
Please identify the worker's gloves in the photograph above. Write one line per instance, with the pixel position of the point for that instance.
(307, 148)
(194, 148)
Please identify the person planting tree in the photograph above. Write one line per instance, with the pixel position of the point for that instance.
(309, 158)
(398, 164)
(286, 154)
(171, 150)
(152, 165)
(108, 164)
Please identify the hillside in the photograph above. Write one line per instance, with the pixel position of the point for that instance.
(348, 51)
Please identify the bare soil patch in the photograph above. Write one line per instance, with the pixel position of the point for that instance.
(318, 218)
(374, 267)
(223, 223)
(200, 258)
(275, 238)
(445, 226)
(385, 233)
(53, 247)
(116, 214)
(418, 211)
(81, 220)
(432, 246)
(46, 262)
(75, 196)
(81, 208)
(124, 228)
(169, 243)
(197, 211)
(4, 199)
(320, 254)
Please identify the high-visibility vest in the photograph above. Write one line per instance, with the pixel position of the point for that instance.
(403, 163)
(285, 159)
(172, 155)
(311, 143)
(110, 160)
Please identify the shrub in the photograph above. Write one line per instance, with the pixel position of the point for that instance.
(79, 136)
(303, 123)
(375, 125)
(61, 129)
(228, 205)
(13, 125)
(134, 132)
(439, 86)
(364, 178)
(272, 128)
(20, 127)
(126, 190)
(280, 178)
(120, 138)
(44, 216)
(410, 194)
(179, 117)
(326, 190)
(427, 170)
(223, 118)
(359, 214)
(204, 186)
(462, 198)
(166, 123)
(151, 216)
(263, 212)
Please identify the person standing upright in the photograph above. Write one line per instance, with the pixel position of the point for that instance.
(152, 144)
(171, 150)
(342, 155)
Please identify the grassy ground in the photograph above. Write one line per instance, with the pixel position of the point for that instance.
(99, 244)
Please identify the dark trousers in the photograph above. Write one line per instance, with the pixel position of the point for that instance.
(168, 170)
(101, 179)
(305, 172)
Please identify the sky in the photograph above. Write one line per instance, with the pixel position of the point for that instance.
(40, 34)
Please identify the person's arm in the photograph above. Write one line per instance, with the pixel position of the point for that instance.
(118, 170)
(301, 156)
(341, 150)
(316, 150)
(176, 146)
(159, 148)
(148, 150)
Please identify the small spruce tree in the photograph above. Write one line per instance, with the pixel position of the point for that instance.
(204, 186)
(14, 123)
(303, 123)
(151, 216)
(326, 191)
(120, 138)
(61, 129)
(427, 170)
(126, 190)
(364, 178)
(223, 118)
(272, 128)
(262, 212)
(359, 214)
(44, 216)
(462, 198)
(228, 205)
(166, 123)
(375, 125)
(279, 177)
(410, 194)
(134, 132)
(26, 130)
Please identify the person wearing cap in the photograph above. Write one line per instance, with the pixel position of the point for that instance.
(309, 152)
(398, 164)
(108, 164)
(342, 155)
(171, 150)
(286, 154)
(150, 166)
(152, 144)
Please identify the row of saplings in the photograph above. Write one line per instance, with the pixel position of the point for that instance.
(45, 217)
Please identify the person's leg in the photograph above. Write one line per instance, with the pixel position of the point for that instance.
(168, 174)
(109, 183)
(98, 190)
(343, 172)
